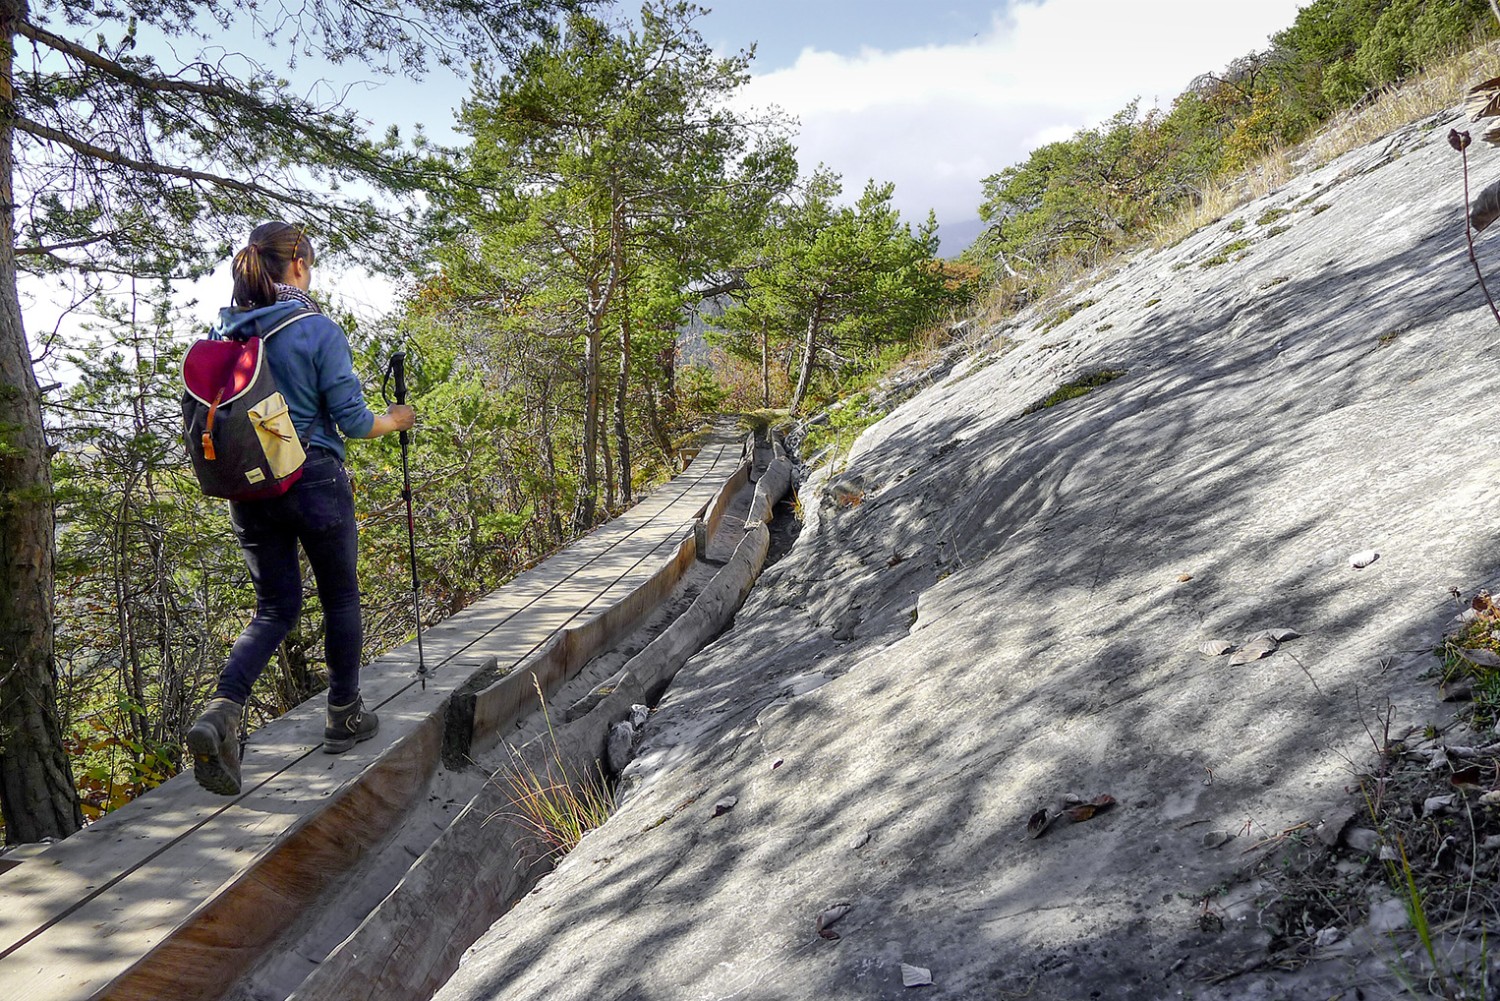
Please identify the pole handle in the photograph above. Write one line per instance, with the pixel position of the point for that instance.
(398, 371)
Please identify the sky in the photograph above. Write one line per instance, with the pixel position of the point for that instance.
(935, 95)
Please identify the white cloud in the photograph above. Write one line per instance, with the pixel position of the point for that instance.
(937, 119)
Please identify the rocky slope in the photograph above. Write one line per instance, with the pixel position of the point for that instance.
(1000, 607)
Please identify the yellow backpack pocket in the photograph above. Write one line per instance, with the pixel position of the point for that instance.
(277, 434)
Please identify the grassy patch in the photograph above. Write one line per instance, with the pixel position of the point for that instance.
(1065, 314)
(1078, 387)
(762, 421)
(1277, 230)
(1463, 658)
(1271, 215)
(1236, 226)
(555, 807)
(1222, 255)
(836, 435)
(1152, 302)
(1320, 209)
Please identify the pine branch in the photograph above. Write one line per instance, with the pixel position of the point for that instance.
(119, 159)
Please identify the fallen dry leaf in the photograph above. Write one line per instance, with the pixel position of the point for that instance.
(915, 976)
(1183, 578)
(1466, 778)
(1482, 602)
(1038, 824)
(828, 918)
(1483, 100)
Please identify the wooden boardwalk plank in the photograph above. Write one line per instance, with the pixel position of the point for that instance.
(89, 917)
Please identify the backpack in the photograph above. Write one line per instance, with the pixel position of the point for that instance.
(235, 423)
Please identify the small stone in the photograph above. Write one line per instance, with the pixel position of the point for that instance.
(1361, 839)
(620, 748)
(1328, 936)
(1217, 839)
(1215, 648)
(915, 976)
(1480, 656)
(1437, 804)
(860, 840)
(1364, 558)
(1490, 799)
(1388, 915)
(1490, 843)
(638, 715)
(1282, 635)
(724, 805)
(1389, 854)
(1334, 824)
(1457, 691)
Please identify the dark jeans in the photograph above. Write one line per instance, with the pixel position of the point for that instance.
(317, 511)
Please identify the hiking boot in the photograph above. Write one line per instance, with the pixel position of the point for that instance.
(215, 745)
(347, 725)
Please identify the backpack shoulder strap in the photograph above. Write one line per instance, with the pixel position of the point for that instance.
(299, 315)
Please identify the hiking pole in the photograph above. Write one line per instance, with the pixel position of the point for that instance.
(398, 371)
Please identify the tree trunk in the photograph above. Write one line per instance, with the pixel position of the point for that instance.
(588, 488)
(765, 366)
(809, 355)
(609, 475)
(37, 796)
(668, 360)
(622, 430)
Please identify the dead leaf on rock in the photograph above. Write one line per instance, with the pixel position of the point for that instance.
(915, 976)
(1283, 634)
(1260, 646)
(1482, 602)
(828, 918)
(1215, 648)
(1483, 100)
(1466, 778)
(1364, 558)
(1183, 578)
(724, 805)
(1217, 839)
(1038, 824)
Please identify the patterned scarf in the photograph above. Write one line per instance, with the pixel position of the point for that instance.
(285, 293)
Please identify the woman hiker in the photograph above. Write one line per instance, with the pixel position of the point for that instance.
(313, 368)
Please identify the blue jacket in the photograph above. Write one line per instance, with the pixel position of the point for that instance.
(314, 370)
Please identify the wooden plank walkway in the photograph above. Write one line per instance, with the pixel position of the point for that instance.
(175, 894)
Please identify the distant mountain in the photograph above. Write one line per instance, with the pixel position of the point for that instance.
(956, 237)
